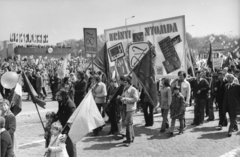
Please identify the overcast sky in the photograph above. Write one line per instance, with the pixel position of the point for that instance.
(65, 19)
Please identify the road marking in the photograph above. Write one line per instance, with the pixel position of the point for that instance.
(232, 153)
(25, 144)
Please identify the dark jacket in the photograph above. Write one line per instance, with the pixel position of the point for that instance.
(6, 144)
(231, 100)
(80, 91)
(10, 124)
(65, 110)
(220, 91)
(203, 86)
(177, 106)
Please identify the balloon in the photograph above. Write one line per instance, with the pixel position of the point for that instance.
(9, 80)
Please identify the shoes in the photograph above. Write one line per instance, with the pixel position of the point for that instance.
(185, 128)
(210, 119)
(162, 130)
(200, 124)
(148, 125)
(219, 127)
(110, 133)
(229, 134)
(235, 129)
(193, 124)
(170, 134)
(180, 133)
(127, 144)
(95, 134)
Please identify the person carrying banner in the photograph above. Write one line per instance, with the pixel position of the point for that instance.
(66, 108)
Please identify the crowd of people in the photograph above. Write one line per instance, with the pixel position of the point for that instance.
(119, 99)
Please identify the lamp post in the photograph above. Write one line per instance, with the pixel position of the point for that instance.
(127, 19)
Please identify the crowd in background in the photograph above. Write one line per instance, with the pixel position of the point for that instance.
(119, 99)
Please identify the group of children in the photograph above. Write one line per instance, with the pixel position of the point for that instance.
(55, 147)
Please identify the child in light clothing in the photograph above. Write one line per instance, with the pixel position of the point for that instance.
(56, 148)
(50, 117)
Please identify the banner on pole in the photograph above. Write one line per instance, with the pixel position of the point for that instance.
(168, 37)
(90, 40)
(217, 62)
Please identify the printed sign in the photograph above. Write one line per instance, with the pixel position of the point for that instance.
(90, 40)
(154, 32)
(28, 38)
(121, 66)
(136, 52)
(138, 37)
(116, 52)
(217, 62)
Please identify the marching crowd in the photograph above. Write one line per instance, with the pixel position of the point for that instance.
(119, 100)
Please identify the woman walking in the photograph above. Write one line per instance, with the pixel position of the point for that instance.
(166, 99)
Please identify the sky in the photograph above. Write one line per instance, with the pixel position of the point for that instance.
(65, 19)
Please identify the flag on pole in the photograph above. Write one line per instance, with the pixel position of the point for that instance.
(210, 60)
(32, 92)
(84, 119)
(15, 99)
(145, 73)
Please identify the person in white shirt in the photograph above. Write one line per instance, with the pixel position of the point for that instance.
(99, 93)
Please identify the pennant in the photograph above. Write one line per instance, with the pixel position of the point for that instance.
(15, 99)
(32, 92)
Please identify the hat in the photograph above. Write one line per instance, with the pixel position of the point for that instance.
(230, 75)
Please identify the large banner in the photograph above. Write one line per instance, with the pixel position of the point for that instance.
(168, 37)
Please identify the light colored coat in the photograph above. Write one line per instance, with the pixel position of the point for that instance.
(58, 149)
(100, 91)
(132, 96)
(166, 98)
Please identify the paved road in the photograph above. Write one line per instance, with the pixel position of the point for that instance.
(200, 141)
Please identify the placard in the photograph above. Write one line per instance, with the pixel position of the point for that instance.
(115, 52)
(138, 37)
(217, 62)
(90, 40)
(154, 32)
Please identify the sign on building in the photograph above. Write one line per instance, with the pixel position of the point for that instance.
(168, 37)
(90, 40)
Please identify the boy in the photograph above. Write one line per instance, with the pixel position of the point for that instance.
(177, 110)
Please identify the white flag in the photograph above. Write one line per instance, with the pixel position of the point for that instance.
(84, 119)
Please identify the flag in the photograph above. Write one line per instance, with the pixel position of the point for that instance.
(62, 71)
(145, 73)
(210, 60)
(102, 62)
(32, 92)
(84, 119)
(15, 99)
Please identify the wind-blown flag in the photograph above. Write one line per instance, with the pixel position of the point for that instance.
(102, 62)
(210, 60)
(32, 92)
(145, 73)
(84, 119)
(15, 99)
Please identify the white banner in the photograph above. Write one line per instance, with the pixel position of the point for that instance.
(217, 62)
(168, 37)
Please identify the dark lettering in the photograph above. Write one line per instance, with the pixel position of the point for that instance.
(115, 36)
(156, 30)
(162, 29)
(169, 28)
(147, 33)
(111, 37)
(175, 27)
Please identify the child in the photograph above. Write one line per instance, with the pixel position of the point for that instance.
(177, 110)
(49, 116)
(6, 146)
(56, 148)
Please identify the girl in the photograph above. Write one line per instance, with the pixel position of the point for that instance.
(166, 99)
(56, 148)
(50, 117)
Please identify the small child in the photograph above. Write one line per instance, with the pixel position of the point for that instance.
(177, 110)
(56, 148)
(50, 117)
